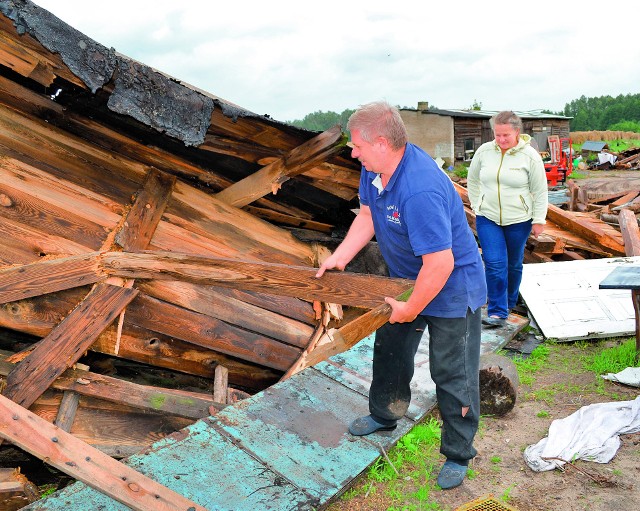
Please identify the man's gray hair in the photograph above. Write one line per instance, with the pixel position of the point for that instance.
(506, 117)
(379, 119)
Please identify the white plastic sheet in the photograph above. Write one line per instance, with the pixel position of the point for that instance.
(607, 157)
(629, 376)
(592, 433)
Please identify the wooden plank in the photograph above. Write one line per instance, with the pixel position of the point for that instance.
(286, 306)
(286, 219)
(221, 385)
(66, 343)
(592, 231)
(208, 300)
(299, 281)
(38, 243)
(84, 463)
(147, 210)
(29, 209)
(630, 232)
(67, 411)
(38, 316)
(337, 340)
(269, 179)
(88, 196)
(208, 216)
(43, 277)
(210, 333)
(190, 405)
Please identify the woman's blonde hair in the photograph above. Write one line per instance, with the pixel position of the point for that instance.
(506, 117)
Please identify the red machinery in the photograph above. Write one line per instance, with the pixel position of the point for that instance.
(561, 164)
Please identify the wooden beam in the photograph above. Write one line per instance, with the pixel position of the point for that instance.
(270, 178)
(208, 300)
(211, 333)
(67, 411)
(221, 385)
(291, 220)
(338, 340)
(84, 463)
(345, 288)
(145, 214)
(181, 403)
(66, 343)
(588, 230)
(39, 316)
(630, 232)
(43, 277)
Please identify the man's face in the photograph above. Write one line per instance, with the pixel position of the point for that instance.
(368, 153)
(506, 136)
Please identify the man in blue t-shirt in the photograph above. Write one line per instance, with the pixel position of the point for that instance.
(420, 225)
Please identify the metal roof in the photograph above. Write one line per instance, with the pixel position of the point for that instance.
(487, 114)
(594, 145)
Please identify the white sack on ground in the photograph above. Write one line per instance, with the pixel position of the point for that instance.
(591, 433)
(629, 376)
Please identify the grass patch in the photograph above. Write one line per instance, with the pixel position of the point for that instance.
(408, 472)
(527, 367)
(461, 171)
(614, 359)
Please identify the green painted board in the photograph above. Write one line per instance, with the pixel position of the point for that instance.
(286, 448)
(202, 465)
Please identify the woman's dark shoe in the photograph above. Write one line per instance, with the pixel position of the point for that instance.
(366, 425)
(494, 322)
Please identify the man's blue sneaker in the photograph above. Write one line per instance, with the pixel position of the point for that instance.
(451, 475)
(366, 425)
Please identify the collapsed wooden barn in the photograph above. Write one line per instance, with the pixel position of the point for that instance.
(104, 158)
(157, 233)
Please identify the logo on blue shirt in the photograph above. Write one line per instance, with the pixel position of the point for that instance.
(393, 215)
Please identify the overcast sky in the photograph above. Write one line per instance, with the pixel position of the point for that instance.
(288, 58)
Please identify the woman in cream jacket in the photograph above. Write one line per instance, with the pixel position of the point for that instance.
(507, 188)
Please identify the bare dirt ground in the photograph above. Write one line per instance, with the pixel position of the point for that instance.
(560, 388)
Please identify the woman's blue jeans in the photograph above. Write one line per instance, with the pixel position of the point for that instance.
(502, 252)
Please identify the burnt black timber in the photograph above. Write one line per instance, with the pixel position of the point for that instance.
(90, 61)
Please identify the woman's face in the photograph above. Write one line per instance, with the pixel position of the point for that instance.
(506, 136)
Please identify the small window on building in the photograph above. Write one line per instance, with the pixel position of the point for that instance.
(469, 148)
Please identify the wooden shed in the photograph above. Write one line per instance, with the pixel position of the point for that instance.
(150, 227)
(454, 135)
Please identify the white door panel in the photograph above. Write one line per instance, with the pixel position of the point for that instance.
(566, 302)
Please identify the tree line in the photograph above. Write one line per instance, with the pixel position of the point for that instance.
(603, 113)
